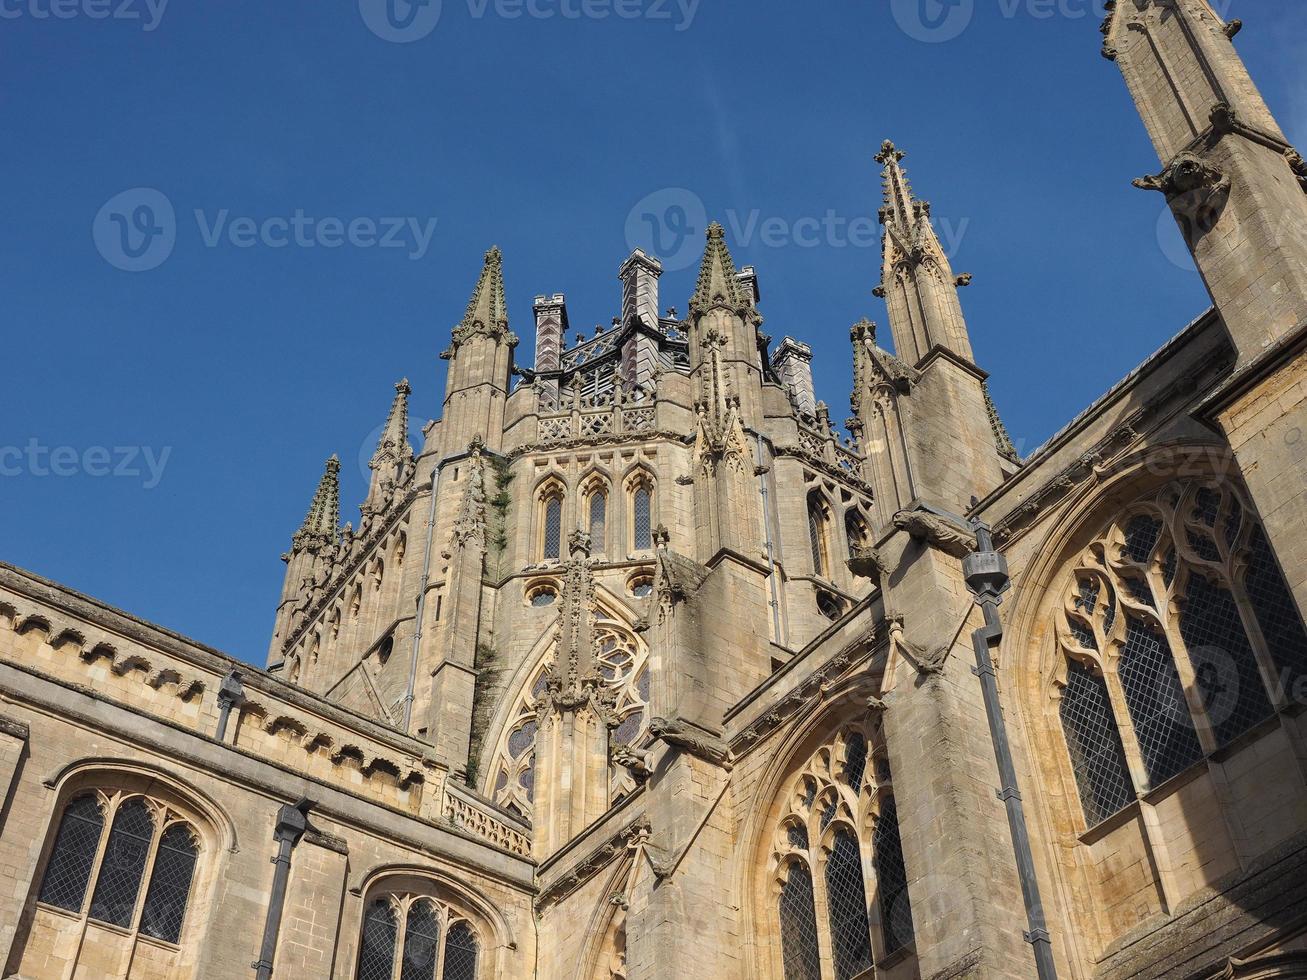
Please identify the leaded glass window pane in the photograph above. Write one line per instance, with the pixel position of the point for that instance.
(855, 760)
(421, 942)
(1156, 702)
(817, 537)
(73, 856)
(1225, 666)
(377, 952)
(846, 901)
(643, 519)
(461, 950)
(553, 527)
(170, 884)
(598, 520)
(1094, 743)
(799, 948)
(123, 867)
(892, 880)
(1276, 611)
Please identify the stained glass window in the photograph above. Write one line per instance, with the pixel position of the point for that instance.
(826, 804)
(73, 857)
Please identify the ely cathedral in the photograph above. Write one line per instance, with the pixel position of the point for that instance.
(641, 668)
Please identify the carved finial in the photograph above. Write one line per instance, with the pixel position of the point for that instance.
(889, 152)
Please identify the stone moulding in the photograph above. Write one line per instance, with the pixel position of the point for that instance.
(826, 469)
(1098, 461)
(814, 689)
(633, 834)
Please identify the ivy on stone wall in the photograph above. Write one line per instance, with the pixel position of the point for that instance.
(489, 668)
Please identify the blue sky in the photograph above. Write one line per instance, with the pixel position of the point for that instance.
(191, 405)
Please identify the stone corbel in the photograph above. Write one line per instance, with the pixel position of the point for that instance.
(1186, 174)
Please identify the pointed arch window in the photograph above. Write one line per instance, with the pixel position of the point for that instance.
(818, 527)
(416, 937)
(623, 662)
(149, 848)
(799, 942)
(598, 519)
(551, 524)
(1176, 614)
(642, 513)
(837, 848)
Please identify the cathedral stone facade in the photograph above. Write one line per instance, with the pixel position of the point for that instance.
(638, 668)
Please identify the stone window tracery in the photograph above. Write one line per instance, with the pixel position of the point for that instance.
(138, 878)
(818, 529)
(415, 937)
(623, 662)
(835, 847)
(1174, 622)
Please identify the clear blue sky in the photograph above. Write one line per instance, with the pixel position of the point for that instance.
(249, 365)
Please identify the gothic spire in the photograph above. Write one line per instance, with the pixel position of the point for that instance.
(394, 445)
(717, 284)
(917, 280)
(322, 523)
(487, 311)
